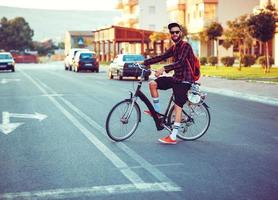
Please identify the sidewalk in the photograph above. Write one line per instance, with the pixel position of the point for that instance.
(255, 91)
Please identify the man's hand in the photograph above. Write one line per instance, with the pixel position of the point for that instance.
(140, 62)
(159, 72)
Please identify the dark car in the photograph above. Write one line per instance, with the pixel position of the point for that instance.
(7, 61)
(85, 60)
(123, 66)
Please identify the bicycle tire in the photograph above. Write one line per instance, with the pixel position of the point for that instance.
(117, 126)
(190, 128)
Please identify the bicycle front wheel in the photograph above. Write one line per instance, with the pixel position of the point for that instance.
(195, 121)
(122, 121)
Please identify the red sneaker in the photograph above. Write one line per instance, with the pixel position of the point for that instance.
(167, 140)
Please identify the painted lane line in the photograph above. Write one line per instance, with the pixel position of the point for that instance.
(121, 165)
(82, 192)
(145, 164)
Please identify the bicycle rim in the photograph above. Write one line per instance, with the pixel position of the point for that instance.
(118, 125)
(196, 127)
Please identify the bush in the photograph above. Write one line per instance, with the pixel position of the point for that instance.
(212, 60)
(228, 61)
(248, 60)
(203, 60)
(262, 61)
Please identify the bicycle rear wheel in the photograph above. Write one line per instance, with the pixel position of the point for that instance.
(122, 121)
(195, 121)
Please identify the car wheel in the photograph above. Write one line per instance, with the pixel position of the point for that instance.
(120, 75)
(13, 70)
(110, 76)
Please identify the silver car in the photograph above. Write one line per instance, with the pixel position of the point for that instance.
(122, 66)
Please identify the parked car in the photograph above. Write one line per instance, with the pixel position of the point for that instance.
(122, 66)
(7, 61)
(68, 62)
(85, 60)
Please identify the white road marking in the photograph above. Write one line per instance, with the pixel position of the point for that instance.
(6, 127)
(121, 165)
(145, 164)
(38, 116)
(5, 81)
(67, 193)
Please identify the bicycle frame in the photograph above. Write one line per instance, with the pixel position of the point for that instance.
(159, 122)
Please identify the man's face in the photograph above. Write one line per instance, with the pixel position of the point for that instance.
(175, 34)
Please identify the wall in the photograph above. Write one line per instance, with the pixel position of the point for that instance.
(152, 14)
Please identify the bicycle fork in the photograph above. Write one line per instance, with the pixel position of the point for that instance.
(126, 115)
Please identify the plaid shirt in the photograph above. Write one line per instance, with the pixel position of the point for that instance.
(181, 52)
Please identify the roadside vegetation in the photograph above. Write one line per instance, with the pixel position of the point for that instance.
(255, 73)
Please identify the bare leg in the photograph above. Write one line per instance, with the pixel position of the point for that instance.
(153, 89)
(178, 111)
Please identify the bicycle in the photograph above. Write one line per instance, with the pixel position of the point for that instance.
(123, 119)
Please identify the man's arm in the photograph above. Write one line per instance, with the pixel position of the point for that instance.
(156, 59)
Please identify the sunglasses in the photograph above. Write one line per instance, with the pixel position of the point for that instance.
(176, 32)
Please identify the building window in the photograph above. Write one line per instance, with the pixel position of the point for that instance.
(152, 10)
(152, 26)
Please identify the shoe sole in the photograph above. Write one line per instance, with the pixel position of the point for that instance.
(162, 141)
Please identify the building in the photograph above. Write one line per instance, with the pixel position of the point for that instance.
(176, 11)
(78, 39)
(113, 40)
(142, 14)
(200, 13)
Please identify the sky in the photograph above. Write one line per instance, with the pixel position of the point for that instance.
(62, 4)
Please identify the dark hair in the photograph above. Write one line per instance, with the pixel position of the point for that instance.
(171, 25)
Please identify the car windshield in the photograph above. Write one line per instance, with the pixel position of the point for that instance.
(5, 56)
(86, 55)
(133, 58)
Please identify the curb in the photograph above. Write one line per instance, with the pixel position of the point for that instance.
(261, 99)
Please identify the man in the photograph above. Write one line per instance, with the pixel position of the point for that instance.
(182, 54)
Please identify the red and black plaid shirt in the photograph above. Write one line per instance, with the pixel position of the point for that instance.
(180, 52)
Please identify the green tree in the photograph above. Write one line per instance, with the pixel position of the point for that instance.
(237, 34)
(15, 34)
(213, 32)
(262, 27)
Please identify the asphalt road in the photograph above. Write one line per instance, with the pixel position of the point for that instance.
(53, 144)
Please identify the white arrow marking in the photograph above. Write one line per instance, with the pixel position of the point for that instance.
(6, 127)
(4, 80)
(38, 116)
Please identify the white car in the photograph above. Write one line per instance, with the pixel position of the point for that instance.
(68, 62)
(6, 61)
(122, 66)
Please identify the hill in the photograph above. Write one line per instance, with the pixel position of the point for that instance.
(52, 24)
